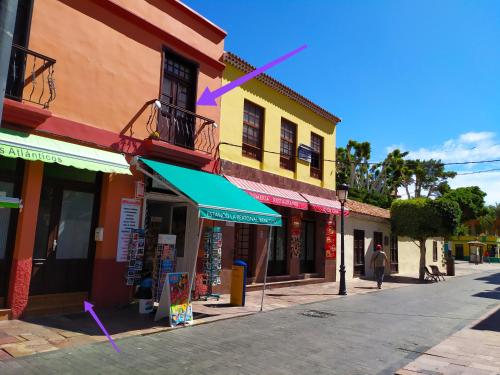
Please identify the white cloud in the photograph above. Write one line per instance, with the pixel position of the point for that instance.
(475, 137)
(471, 146)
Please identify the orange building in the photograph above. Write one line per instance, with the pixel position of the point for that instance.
(92, 84)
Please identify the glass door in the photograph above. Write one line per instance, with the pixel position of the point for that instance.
(307, 247)
(277, 255)
(64, 243)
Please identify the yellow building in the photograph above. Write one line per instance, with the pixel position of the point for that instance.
(280, 147)
(461, 247)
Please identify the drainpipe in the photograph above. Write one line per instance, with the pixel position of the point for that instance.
(8, 10)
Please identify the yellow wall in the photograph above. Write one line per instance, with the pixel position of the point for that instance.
(275, 106)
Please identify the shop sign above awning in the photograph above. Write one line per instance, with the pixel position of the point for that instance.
(15, 144)
(8, 202)
(215, 197)
(325, 206)
(270, 194)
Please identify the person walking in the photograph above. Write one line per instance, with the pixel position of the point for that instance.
(378, 262)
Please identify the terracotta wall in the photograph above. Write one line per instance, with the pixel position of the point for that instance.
(108, 67)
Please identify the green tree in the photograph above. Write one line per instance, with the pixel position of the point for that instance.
(471, 201)
(422, 218)
(428, 177)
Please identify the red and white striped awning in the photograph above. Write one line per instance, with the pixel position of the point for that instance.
(323, 205)
(270, 194)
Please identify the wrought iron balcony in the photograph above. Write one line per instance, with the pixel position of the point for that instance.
(183, 128)
(30, 77)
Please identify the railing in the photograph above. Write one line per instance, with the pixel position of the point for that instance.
(30, 77)
(183, 128)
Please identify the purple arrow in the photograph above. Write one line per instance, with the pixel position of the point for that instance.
(90, 308)
(208, 97)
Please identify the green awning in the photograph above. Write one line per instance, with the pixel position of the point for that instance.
(15, 144)
(216, 197)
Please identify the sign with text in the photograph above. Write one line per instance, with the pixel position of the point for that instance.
(304, 153)
(129, 219)
(331, 239)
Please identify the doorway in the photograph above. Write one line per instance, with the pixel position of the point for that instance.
(308, 247)
(277, 256)
(394, 254)
(64, 248)
(167, 214)
(11, 174)
(359, 252)
(459, 252)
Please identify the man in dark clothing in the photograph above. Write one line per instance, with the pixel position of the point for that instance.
(378, 262)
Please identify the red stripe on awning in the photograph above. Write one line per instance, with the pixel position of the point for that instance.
(269, 194)
(325, 206)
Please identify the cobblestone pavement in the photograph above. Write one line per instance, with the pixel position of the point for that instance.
(20, 338)
(372, 333)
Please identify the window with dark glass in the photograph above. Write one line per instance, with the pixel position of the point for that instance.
(253, 126)
(288, 144)
(316, 156)
(434, 251)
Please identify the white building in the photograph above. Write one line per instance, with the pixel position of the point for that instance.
(364, 228)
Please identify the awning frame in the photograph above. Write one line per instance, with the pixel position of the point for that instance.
(135, 162)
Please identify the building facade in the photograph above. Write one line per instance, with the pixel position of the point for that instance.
(92, 84)
(280, 148)
(368, 226)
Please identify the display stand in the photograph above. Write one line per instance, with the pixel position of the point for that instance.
(135, 257)
(212, 261)
(164, 263)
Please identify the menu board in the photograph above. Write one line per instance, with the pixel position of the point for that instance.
(135, 256)
(129, 219)
(331, 238)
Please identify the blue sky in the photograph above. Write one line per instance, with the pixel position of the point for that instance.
(421, 75)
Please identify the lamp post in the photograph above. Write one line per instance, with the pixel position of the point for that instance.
(342, 191)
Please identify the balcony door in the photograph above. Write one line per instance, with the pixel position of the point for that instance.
(178, 95)
(17, 65)
(64, 242)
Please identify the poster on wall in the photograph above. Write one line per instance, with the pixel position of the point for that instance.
(129, 219)
(175, 298)
(295, 236)
(331, 239)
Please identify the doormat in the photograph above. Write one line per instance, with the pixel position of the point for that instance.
(317, 314)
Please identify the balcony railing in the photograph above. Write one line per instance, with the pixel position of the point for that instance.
(183, 128)
(30, 77)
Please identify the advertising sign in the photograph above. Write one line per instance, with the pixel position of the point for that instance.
(331, 239)
(304, 153)
(129, 219)
(175, 298)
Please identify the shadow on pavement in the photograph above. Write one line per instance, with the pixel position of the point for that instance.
(116, 320)
(491, 279)
(491, 323)
(397, 279)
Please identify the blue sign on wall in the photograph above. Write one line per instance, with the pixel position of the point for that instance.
(305, 153)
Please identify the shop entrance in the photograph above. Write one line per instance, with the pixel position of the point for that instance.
(10, 181)
(277, 254)
(308, 247)
(168, 214)
(64, 242)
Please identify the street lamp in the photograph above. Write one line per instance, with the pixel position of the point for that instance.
(342, 191)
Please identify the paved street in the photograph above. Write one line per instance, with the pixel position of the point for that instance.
(375, 333)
